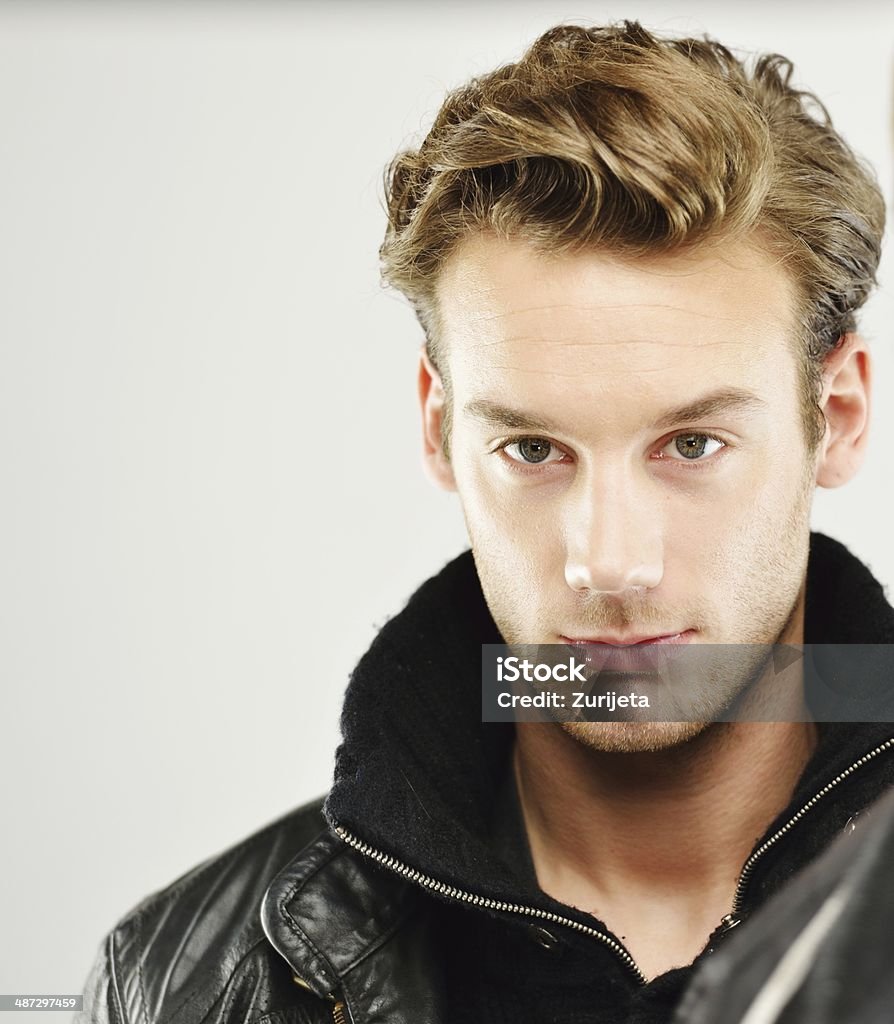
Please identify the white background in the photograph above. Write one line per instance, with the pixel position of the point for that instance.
(211, 495)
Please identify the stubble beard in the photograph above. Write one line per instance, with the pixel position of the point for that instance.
(767, 595)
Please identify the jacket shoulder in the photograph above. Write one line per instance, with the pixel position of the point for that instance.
(196, 950)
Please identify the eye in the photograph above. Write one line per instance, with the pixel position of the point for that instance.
(532, 451)
(692, 447)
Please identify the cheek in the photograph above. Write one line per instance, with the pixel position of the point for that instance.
(514, 532)
(755, 545)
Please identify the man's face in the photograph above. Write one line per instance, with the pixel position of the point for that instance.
(602, 503)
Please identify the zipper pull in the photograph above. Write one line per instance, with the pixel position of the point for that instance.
(340, 1012)
(727, 923)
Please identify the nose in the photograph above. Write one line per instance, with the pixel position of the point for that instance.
(613, 534)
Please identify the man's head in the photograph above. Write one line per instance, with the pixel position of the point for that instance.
(637, 267)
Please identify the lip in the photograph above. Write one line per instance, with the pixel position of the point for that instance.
(636, 641)
(631, 653)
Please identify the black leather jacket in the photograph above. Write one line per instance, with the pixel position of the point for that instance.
(259, 934)
(333, 930)
(326, 914)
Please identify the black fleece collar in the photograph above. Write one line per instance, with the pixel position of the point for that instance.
(418, 774)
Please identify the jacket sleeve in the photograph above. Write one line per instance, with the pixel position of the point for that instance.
(818, 952)
(102, 999)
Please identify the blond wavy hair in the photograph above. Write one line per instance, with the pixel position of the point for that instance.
(612, 137)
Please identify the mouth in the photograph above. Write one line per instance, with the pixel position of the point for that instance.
(629, 653)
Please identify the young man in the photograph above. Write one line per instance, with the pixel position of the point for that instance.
(637, 266)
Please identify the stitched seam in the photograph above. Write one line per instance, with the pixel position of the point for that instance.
(328, 970)
(117, 1003)
(139, 940)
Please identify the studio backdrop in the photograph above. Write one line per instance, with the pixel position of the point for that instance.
(211, 492)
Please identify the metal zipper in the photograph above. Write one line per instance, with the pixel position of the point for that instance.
(433, 885)
(732, 919)
(729, 922)
(338, 1013)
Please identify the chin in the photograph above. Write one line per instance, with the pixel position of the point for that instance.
(634, 737)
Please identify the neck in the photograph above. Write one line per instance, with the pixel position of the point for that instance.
(620, 834)
(684, 817)
(652, 843)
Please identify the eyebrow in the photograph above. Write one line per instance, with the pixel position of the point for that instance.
(715, 402)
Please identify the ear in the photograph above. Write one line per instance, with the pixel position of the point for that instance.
(847, 378)
(433, 402)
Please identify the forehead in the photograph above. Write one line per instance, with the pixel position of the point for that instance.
(721, 312)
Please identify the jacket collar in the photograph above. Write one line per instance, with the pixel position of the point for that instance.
(417, 775)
